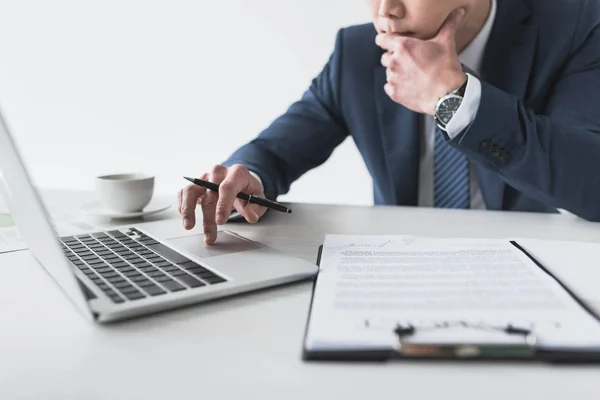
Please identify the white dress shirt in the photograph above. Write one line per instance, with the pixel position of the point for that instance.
(472, 57)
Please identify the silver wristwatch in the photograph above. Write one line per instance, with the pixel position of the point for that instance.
(448, 105)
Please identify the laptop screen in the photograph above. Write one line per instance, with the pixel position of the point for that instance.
(31, 217)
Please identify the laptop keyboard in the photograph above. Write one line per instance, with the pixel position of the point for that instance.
(134, 266)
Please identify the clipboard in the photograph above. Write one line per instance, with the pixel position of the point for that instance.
(526, 351)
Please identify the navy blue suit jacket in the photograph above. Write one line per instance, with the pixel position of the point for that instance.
(535, 140)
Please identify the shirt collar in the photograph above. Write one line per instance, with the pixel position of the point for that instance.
(472, 55)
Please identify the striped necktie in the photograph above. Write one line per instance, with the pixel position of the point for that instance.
(451, 175)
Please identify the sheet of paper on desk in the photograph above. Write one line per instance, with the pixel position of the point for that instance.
(65, 222)
(369, 284)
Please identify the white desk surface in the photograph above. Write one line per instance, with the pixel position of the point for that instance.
(250, 346)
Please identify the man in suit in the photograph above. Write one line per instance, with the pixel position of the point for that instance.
(483, 104)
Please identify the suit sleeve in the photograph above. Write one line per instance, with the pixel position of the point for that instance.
(301, 139)
(554, 157)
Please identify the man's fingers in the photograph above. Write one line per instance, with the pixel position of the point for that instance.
(189, 199)
(236, 180)
(447, 33)
(250, 211)
(209, 207)
(386, 59)
(227, 194)
(387, 41)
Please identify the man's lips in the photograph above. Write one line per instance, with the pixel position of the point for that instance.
(399, 33)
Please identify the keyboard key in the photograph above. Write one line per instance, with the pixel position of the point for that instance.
(117, 299)
(155, 274)
(163, 278)
(178, 273)
(145, 283)
(154, 290)
(148, 241)
(116, 234)
(135, 296)
(173, 286)
(163, 264)
(104, 252)
(190, 281)
(110, 274)
(214, 280)
(168, 253)
(148, 269)
(99, 265)
(137, 261)
(170, 269)
(127, 289)
(189, 265)
(119, 264)
(200, 272)
(122, 285)
(139, 279)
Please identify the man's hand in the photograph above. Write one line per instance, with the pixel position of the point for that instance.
(217, 207)
(420, 72)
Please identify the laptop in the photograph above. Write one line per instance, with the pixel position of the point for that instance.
(127, 272)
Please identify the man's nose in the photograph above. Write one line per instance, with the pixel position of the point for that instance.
(392, 9)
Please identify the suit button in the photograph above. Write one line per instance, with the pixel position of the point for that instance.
(485, 146)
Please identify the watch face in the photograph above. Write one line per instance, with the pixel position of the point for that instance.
(448, 108)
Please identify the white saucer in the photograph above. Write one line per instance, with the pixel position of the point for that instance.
(99, 210)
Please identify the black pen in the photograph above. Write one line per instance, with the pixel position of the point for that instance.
(261, 201)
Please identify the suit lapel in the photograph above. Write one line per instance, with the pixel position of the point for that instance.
(401, 134)
(507, 65)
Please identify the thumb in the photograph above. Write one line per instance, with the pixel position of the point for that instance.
(448, 31)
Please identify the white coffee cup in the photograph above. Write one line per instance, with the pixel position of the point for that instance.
(125, 193)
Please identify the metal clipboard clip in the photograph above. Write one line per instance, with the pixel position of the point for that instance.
(525, 349)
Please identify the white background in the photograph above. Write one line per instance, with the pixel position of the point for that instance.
(166, 87)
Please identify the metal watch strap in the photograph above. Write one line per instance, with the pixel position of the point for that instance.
(463, 89)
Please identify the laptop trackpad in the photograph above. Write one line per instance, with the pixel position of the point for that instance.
(226, 243)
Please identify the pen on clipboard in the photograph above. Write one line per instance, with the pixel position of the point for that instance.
(261, 201)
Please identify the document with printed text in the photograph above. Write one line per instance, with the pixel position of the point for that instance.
(66, 222)
(368, 285)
